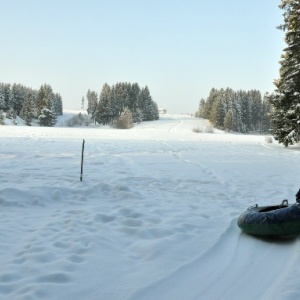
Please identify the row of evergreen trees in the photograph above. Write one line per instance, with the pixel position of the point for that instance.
(113, 100)
(240, 111)
(43, 104)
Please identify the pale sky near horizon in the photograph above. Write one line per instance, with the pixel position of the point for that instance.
(179, 49)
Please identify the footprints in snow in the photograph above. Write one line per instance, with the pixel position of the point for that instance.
(49, 255)
(210, 175)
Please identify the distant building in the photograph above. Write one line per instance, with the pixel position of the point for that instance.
(162, 110)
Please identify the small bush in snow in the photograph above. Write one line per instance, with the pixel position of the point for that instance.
(125, 121)
(197, 130)
(208, 129)
(269, 139)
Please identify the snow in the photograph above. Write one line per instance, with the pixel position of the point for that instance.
(154, 217)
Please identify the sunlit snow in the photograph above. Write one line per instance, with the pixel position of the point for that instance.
(154, 217)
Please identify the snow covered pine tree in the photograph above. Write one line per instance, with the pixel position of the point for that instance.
(47, 117)
(285, 100)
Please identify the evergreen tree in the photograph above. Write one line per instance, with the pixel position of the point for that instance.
(217, 113)
(104, 112)
(1, 117)
(113, 103)
(27, 112)
(245, 111)
(209, 103)
(133, 103)
(2, 99)
(5, 88)
(6, 95)
(200, 112)
(155, 111)
(256, 109)
(148, 108)
(82, 103)
(57, 104)
(47, 117)
(228, 121)
(237, 114)
(266, 110)
(16, 98)
(92, 99)
(229, 99)
(45, 99)
(119, 97)
(285, 100)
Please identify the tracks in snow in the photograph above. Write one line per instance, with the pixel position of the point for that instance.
(228, 269)
(173, 128)
(209, 173)
(237, 266)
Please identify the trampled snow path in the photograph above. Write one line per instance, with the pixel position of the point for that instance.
(231, 269)
(155, 216)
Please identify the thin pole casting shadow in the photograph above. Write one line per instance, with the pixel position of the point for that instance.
(82, 160)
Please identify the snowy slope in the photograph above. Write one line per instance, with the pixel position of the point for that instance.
(154, 217)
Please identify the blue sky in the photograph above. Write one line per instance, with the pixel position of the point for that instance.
(179, 49)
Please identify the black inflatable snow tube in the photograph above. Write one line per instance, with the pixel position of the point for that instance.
(271, 220)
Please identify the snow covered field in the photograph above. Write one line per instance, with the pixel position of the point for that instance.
(154, 217)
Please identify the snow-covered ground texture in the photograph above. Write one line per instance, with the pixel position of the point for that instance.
(154, 217)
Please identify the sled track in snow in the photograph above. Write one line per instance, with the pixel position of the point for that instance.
(172, 129)
(226, 270)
